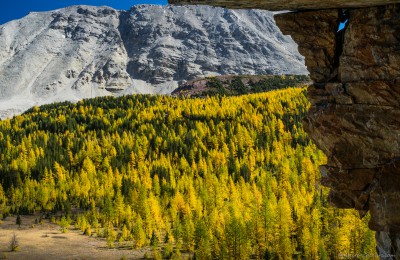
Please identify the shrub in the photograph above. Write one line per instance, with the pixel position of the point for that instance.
(88, 231)
(157, 255)
(64, 223)
(18, 221)
(154, 241)
(14, 243)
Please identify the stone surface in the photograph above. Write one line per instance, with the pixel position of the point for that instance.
(340, 179)
(380, 92)
(82, 51)
(357, 135)
(388, 245)
(285, 5)
(355, 110)
(354, 117)
(371, 46)
(384, 199)
(170, 43)
(315, 33)
(349, 188)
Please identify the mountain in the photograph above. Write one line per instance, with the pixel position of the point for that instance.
(83, 51)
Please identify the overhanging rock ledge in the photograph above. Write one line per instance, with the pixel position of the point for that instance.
(274, 5)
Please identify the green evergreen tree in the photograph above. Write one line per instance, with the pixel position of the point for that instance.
(18, 221)
(154, 240)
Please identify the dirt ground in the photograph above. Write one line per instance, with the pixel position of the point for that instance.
(46, 241)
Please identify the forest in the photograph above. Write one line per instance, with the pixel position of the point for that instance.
(232, 85)
(205, 178)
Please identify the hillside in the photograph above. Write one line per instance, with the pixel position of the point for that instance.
(231, 85)
(83, 51)
(218, 177)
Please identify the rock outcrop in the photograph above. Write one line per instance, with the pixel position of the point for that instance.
(355, 113)
(83, 51)
(228, 84)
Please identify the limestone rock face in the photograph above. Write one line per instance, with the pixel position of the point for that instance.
(316, 40)
(83, 51)
(371, 47)
(58, 55)
(172, 43)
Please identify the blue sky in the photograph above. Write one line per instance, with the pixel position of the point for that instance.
(15, 9)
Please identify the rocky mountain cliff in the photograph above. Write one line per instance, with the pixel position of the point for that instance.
(84, 51)
(355, 110)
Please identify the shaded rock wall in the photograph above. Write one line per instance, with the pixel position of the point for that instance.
(355, 112)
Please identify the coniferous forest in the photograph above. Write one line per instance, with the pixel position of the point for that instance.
(208, 178)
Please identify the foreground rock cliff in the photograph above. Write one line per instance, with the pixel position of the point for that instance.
(84, 51)
(355, 112)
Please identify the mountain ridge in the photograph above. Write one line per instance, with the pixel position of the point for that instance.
(84, 51)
